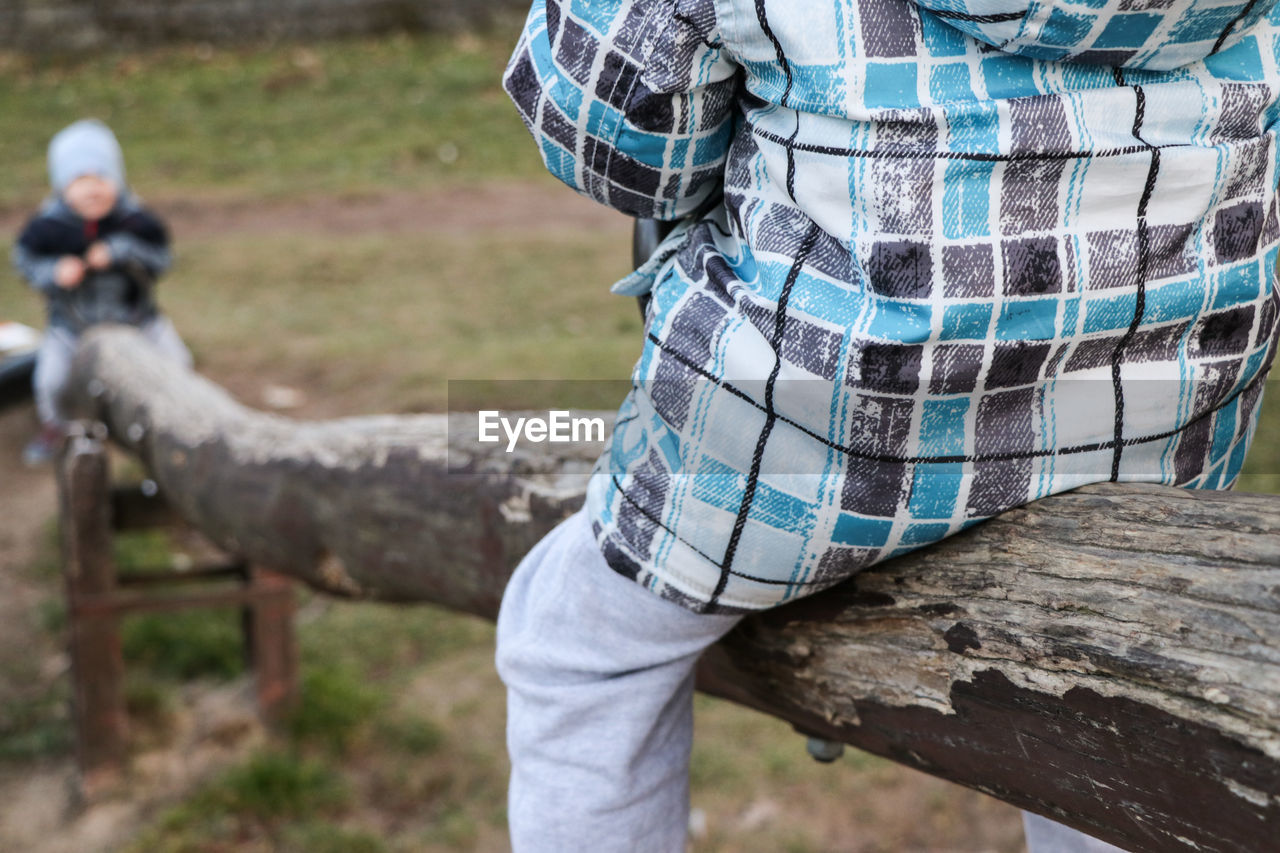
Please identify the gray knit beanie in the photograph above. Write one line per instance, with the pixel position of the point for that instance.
(87, 147)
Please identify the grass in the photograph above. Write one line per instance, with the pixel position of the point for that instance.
(275, 795)
(417, 736)
(1262, 465)
(36, 724)
(275, 785)
(394, 746)
(185, 644)
(35, 709)
(384, 322)
(180, 645)
(334, 707)
(385, 642)
(336, 118)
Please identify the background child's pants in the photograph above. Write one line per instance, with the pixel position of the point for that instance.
(599, 675)
(58, 347)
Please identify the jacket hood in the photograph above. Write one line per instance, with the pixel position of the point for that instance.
(1154, 34)
(87, 147)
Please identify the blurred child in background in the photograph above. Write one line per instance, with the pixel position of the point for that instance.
(95, 253)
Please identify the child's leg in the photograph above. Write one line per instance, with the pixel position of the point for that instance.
(53, 370)
(161, 333)
(599, 675)
(1045, 836)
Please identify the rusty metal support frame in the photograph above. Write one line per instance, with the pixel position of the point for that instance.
(90, 513)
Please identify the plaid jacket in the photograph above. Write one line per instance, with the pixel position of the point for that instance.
(940, 260)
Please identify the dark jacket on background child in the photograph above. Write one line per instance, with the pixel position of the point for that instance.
(139, 243)
(94, 252)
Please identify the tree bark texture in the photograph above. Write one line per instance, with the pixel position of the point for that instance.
(1108, 657)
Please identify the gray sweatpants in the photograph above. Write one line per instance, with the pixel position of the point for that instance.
(58, 348)
(599, 675)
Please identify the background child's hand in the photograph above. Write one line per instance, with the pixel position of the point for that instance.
(68, 272)
(99, 256)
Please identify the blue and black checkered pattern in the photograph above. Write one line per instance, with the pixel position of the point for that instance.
(932, 270)
(1154, 34)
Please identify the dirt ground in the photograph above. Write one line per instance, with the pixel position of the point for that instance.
(39, 811)
(40, 807)
(462, 209)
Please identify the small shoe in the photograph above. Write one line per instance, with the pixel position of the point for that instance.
(44, 447)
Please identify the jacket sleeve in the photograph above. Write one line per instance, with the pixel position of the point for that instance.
(143, 240)
(630, 103)
(33, 262)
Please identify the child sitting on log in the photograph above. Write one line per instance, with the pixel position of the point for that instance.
(936, 260)
(94, 252)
